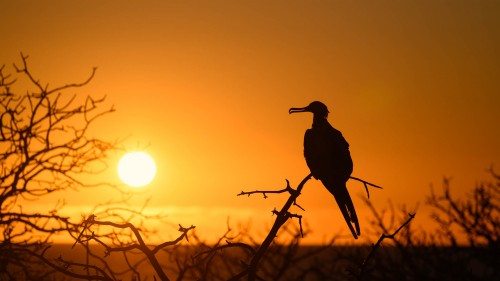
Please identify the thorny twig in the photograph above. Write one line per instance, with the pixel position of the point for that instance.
(379, 242)
(288, 189)
(366, 184)
(289, 215)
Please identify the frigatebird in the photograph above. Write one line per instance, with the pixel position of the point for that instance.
(327, 155)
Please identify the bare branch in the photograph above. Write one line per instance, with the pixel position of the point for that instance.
(366, 184)
(379, 242)
(288, 189)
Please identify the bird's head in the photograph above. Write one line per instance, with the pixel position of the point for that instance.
(318, 108)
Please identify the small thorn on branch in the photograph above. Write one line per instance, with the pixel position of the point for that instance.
(185, 230)
(298, 206)
(290, 215)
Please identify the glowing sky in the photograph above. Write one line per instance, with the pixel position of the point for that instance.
(205, 87)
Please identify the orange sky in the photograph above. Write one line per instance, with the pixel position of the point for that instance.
(205, 86)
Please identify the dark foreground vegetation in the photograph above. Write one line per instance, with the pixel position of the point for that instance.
(287, 262)
(44, 148)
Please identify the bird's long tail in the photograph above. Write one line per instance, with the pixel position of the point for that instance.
(346, 206)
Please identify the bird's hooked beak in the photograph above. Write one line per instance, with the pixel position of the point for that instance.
(299, 109)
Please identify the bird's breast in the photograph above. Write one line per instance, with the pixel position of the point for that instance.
(326, 154)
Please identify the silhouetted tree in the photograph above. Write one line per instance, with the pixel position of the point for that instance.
(476, 218)
(464, 246)
(44, 148)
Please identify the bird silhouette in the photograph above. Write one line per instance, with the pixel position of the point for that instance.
(327, 155)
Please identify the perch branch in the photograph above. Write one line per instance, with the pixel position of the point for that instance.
(281, 217)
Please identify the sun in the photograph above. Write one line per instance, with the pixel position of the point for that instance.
(136, 169)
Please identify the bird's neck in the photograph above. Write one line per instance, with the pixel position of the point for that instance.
(319, 121)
